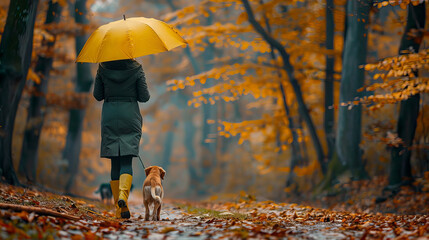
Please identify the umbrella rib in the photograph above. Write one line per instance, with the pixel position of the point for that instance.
(174, 31)
(131, 42)
(101, 45)
(163, 44)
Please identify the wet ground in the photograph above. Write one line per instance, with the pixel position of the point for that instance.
(240, 219)
(176, 223)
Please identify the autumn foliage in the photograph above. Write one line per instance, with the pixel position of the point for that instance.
(231, 98)
(272, 102)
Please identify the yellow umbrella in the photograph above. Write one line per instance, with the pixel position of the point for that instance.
(129, 38)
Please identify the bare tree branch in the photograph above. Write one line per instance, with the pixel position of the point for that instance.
(38, 210)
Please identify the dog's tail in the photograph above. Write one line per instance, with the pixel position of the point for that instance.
(153, 193)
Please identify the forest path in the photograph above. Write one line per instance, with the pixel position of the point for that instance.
(176, 223)
(243, 218)
(179, 221)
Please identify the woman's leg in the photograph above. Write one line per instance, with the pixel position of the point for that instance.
(125, 180)
(114, 184)
(116, 168)
(126, 165)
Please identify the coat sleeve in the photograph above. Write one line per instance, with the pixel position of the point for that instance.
(98, 87)
(142, 90)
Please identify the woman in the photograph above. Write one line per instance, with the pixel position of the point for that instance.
(121, 84)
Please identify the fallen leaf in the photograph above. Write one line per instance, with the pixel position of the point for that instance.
(168, 229)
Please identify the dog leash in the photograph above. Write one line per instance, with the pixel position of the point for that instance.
(141, 161)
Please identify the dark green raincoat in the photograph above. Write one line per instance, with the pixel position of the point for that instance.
(120, 84)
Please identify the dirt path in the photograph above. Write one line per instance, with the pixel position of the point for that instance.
(178, 224)
(241, 219)
(288, 221)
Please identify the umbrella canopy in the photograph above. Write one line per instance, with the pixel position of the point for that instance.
(130, 38)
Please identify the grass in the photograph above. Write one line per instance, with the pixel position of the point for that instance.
(204, 212)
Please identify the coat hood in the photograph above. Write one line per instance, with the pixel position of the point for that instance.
(119, 71)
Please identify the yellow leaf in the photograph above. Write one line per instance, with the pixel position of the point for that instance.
(244, 45)
(415, 3)
(242, 18)
(383, 159)
(197, 93)
(181, 85)
(33, 76)
(367, 67)
(284, 169)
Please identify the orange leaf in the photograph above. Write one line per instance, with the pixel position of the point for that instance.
(33, 76)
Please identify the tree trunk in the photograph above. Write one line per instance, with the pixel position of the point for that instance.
(349, 120)
(15, 57)
(305, 159)
(36, 109)
(346, 26)
(329, 81)
(168, 146)
(296, 149)
(225, 143)
(84, 82)
(208, 141)
(303, 110)
(190, 150)
(400, 166)
(296, 152)
(195, 179)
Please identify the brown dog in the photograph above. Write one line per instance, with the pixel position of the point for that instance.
(153, 191)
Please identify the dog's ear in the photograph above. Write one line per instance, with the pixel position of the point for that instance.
(162, 172)
(147, 170)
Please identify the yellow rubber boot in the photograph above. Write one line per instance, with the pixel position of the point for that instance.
(114, 185)
(125, 181)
